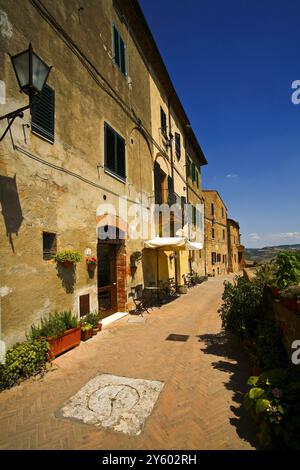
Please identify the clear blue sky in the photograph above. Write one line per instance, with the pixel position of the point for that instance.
(232, 63)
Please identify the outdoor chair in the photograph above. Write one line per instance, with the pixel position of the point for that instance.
(139, 299)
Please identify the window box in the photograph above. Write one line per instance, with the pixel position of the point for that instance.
(69, 340)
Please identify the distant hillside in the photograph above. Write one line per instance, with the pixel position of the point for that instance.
(262, 255)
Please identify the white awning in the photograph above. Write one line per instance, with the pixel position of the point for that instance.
(173, 244)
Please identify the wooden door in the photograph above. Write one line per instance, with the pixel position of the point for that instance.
(107, 278)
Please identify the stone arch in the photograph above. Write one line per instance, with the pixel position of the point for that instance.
(163, 163)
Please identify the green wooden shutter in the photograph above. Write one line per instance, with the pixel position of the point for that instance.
(177, 144)
(163, 121)
(170, 190)
(188, 167)
(116, 46)
(120, 164)
(157, 183)
(193, 171)
(122, 57)
(109, 148)
(43, 114)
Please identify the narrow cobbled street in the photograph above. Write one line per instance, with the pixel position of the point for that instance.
(199, 406)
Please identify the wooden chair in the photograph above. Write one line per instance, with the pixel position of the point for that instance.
(139, 300)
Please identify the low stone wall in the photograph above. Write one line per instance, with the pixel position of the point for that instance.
(249, 273)
(287, 320)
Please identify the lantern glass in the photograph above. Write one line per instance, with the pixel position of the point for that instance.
(40, 72)
(21, 66)
(31, 71)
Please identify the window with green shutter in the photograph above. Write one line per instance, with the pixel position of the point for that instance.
(177, 145)
(43, 114)
(119, 50)
(188, 167)
(163, 121)
(193, 172)
(197, 177)
(114, 152)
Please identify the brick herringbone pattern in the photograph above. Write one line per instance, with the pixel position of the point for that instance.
(199, 407)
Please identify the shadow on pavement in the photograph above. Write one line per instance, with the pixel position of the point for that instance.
(235, 363)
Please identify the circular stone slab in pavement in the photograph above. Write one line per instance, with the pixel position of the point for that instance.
(118, 403)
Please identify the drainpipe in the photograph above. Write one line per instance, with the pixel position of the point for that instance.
(172, 176)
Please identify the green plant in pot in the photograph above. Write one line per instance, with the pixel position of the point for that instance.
(135, 257)
(60, 329)
(93, 319)
(68, 258)
(86, 331)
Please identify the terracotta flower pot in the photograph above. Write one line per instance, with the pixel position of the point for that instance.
(69, 340)
(86, 334)
(95, 330)
(100, 327)
(67, 264)
(91, 266)
(275, 292)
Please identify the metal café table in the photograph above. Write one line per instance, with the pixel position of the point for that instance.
(155, 290)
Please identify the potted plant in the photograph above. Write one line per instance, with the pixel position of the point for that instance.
(91, 263)
(86, 331)
(135, 257)
(182, 289)
(68, 258)
(93, 319)
(61, 331)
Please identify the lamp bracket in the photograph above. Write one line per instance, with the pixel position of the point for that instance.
(11, 117)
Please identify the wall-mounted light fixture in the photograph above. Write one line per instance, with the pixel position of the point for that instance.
(32, 73)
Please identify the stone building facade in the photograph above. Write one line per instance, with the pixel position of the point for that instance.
(236, 260)
(88, 147)
(216, 246)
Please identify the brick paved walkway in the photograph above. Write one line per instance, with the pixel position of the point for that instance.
(199, 407)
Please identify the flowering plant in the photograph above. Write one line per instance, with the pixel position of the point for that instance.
(91, 261)
(68, 256)
(273, 402)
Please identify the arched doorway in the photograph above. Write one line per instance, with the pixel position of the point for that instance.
(111, 256)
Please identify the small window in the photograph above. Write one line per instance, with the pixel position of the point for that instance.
(119, 50)
(49, 245)
(193, 172)
(223, 234)
(197, 177)
(114, 151)
(84, 305)
(213, 258)
(188, 167)
(213, 233)
(219, 258)
(222, 212)
(177, 145)
(194, 215)
(163, 121)
(43, 112)
(212, 209)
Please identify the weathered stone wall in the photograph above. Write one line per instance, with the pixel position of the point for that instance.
(58, 188)
(218, 244)
(287, 320)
